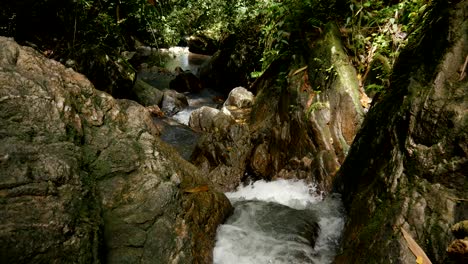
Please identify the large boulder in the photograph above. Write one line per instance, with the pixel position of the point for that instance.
(209, 119)
(240, 98)
(239, 104)
(407, 168)
(85, 178)
(146, 94)
(223, 155)
(202, 44)
(173, 102)
(185, 81)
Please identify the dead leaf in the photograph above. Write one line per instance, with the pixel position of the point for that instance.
(419, 260)
(201, 188)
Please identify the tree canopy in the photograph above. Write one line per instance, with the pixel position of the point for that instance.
(94, 32)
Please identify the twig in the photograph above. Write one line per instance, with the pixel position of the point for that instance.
(457, 199)
(463, 74)
(301, 69)
(74, 33)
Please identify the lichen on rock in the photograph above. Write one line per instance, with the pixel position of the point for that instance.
(85, 178)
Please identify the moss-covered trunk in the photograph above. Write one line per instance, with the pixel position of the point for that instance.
(407, 166)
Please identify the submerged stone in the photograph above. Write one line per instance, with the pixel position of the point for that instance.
(287, 235)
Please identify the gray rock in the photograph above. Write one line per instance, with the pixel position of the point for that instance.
(209, 119)
(173, 102)
(239, 104)
(85, 178)
(143, 51)
(146, 94)
(185, 81)
(240, 98)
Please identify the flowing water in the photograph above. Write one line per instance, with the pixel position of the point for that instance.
(175, 128)
(259, 234)
(169, 60)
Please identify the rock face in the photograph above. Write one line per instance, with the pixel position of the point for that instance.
(407, 166)
(173, 102)
(85, 179)
(222, 153)
(202, 45)
(146, 94)
(458, 249)
(293, 130)
(239, 104)
(209, 119)
(185, 81)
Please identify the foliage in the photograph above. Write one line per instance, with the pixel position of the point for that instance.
(91, 34)
(286, 20)
(212, 18)
(378, 31)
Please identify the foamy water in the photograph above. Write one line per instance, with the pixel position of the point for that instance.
(244, 241)
(183, 116)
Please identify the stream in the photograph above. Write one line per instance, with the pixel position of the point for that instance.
(283, 221)
(176, 131)
(273, 223)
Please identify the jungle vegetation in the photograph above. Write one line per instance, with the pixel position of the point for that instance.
(91, 34)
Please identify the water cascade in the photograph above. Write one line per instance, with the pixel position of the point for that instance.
(276, 222)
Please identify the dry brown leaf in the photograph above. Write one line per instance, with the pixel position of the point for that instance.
(201, 188)
(419, 260)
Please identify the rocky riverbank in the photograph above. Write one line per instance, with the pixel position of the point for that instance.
(85, 178)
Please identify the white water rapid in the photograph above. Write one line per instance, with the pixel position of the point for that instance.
(272, 224)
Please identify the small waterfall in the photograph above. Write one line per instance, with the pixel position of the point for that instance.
(273, 222)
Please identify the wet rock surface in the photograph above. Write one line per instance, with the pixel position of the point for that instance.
(282, 222)
(85, 178)
(185, 81)
(173, 102)
(407, 166)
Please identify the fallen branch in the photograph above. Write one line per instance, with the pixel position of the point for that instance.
(457, 199)
(301, 69)
(421, 257)
(463, 73)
